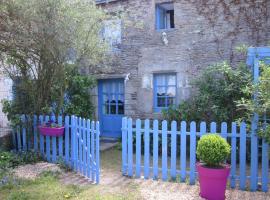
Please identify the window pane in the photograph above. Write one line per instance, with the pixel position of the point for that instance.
(161, 91)
(161, 102)
(161, 80)
(105, 98)
(171, 91)
(121, 88)
(113, 109)
(171, 80)
(120, 107)
(170, 101)
(106, 109)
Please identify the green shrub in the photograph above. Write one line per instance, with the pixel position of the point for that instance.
(212, 150)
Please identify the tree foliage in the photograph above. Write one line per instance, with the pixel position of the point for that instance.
(217, 90)
(39, 39)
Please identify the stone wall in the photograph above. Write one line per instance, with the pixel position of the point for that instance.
(5, 93)
(206, 32)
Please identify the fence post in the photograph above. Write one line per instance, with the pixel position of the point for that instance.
(60, 140)
(24, 144)
(164, 150)
(93, 150)
(97, 152)
(124, 145)
(48, 143)
(88, 148)
(84, 147)
(138, 148)
(35, 133)
(41, 137)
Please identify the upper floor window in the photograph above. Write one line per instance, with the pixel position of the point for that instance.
(164, 16)
(112, 33)
(164, 91)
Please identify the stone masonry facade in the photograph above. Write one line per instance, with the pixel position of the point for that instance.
(205, 33)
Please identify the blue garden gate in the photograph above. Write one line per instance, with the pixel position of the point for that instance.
(170, 153)
(78, 148)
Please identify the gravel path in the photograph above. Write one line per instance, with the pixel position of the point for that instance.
(113, 182)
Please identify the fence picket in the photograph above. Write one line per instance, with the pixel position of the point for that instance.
(224, 130)
(124, 146)
(48, 143)
(265, 165)
(155, 150)
(242, 156)
(202, 128)
(80, 145)
(213, 127)
(192, 153)
(183, 151)
(233, 155)
(84, 147)
(41, 137)
(19, 142)
(164, 150)
(146, 148)
(173, 150)
(53, 143)
(67, 156)
(254, 156)
(60, 140)
(93, 150)
(130, 148)
(88, 148)
(97, 152)
(138, 148)
(24, 145)
(75, 146)
(35, 133)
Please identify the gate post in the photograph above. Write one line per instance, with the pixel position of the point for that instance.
(124, 145)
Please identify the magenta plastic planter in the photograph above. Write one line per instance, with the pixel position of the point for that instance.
(51, 131)
(213, 182)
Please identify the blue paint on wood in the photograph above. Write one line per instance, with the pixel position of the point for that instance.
(213, 127)
(254, 155)
(41, 137)
(124, 146)
(164, 151)
(192, 153)
(242, 156)
(67, 144)
(224, 130)
(19, 138)
(35, 133)
(146, 148)
(60, 140)
(97, 152)
(265, 166)
(75, 147)
(80, 145)
(173, 149)
(53, 143)
(48, 143)
(183, 151)
(130, 148)
(24, 133)
(84, 147)
(93, 150)
(88, 148)
(202, 128)
(138, 148)
(155, 151)
(233, 154)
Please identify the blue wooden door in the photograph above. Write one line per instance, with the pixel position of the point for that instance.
(111, 106)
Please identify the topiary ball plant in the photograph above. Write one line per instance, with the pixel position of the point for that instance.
(212, 150)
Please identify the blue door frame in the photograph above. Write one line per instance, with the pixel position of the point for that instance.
(111, 106)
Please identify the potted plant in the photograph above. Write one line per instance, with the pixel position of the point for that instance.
(51, 129)
(212, 151)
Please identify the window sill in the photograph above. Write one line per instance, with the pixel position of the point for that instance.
(166, 30)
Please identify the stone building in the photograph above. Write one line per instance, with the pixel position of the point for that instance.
(159, 46)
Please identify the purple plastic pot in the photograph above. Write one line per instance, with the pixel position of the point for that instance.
(213, 182)
(51, 131)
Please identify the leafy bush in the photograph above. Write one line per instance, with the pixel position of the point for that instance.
(217, 90)
(213, 150)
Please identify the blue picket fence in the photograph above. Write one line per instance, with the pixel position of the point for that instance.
(78, 148)
(169, 151)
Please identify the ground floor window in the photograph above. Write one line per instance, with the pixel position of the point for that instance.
(164, 91)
